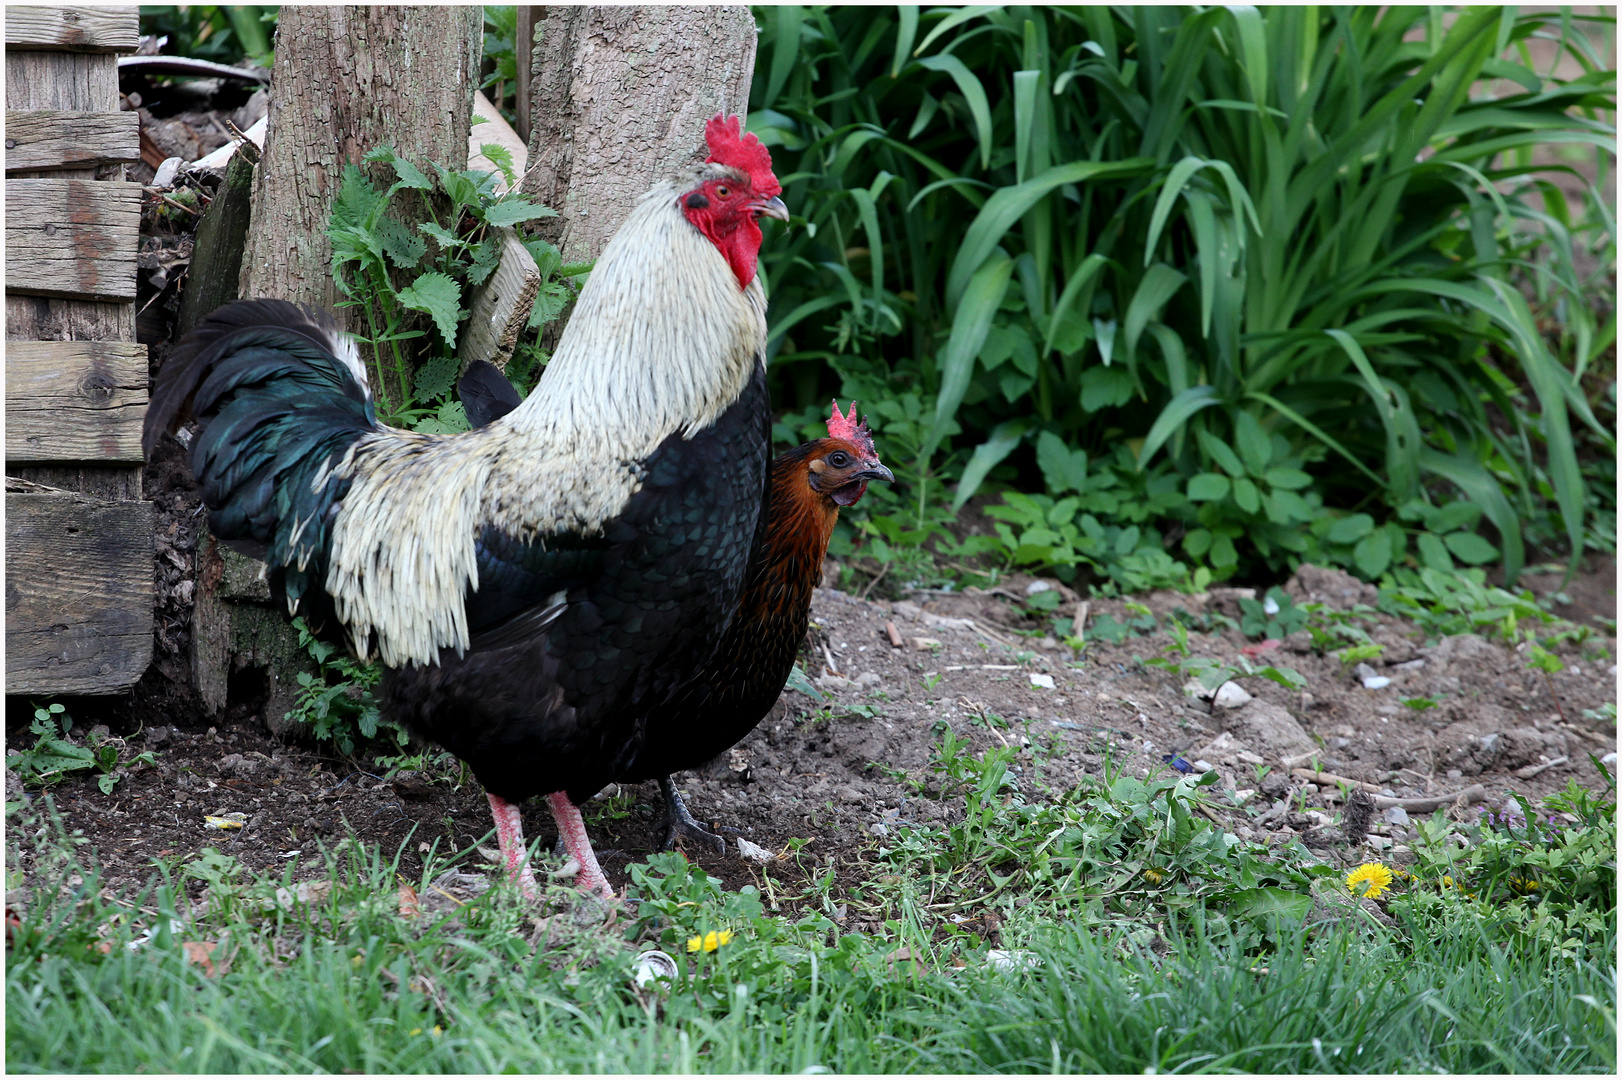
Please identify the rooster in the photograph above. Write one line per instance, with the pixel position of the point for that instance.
(535, 587)
(742, 681)
(725, 701)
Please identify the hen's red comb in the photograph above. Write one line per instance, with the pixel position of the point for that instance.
(846, 427)
(730, 147)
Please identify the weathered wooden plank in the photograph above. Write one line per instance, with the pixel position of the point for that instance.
(499, 309)
(75, 401)
(60, 139)
(77, 29)
(72, 238)
(78, 594)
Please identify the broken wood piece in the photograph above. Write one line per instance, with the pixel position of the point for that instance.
(186, 66)
(496, 130)
(1425, 804)
(499, 309)
(895, 635)
(222, 157)
(1081, 618)
(1333, 780)
(925, 644)
(217, 254)
(1530, 771)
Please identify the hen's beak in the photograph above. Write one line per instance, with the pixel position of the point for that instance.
(875, 472)
(772, 207)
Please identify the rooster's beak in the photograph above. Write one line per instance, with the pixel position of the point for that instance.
(875, 472)
(772, 207)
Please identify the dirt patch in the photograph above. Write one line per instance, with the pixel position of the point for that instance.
(829, 781)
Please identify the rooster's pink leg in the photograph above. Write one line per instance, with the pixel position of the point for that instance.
(510, 836)
(573, 831)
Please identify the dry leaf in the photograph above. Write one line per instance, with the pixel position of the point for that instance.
(409, 908)
(198, 952)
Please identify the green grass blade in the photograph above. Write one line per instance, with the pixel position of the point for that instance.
(970, 324)
(1173, 417)
(987, 456)
(973, 93)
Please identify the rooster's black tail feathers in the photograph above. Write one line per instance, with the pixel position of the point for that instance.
(278, 393)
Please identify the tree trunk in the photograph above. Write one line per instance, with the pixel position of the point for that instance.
(347, 80)
(620, 96)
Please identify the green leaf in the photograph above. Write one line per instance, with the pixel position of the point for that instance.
(1351, 529)
(1221, 453)
(1470, 548)
(513, 211)
(502, 159)
(1208, 487)
(436, 377)
(1254, 446)
(970, 324)
(1483, 489)
(1173, 417)
(1105, 387)
(1288, 479)
(1160, 283)
(1373, 554)
(437, 296)
(1064, 469)
(1401, 426)
(1453, 516)
(1008, 205)
(1246, 495)
(973, 93)
(987, 456)
(1433, 552)
(404, 249)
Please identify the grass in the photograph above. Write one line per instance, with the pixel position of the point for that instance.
(1224, 961)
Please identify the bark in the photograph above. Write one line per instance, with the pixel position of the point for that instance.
(346, 80)
(620, 96)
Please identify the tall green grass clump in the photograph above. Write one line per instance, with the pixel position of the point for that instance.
(1251, 286)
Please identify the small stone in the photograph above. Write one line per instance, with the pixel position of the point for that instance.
(925, 644)
(1230, 695)
(1409, 665)
(1203, 766)
(1376, 682)
(1454, 774)
(906, 609)
(1396, 815)
(833, 682)
(1298, 642)
(1609, 759)
(850, 794)
(1363, 671)
(879, 829)
(1038, 679)
(868, 678)
(1037, 586)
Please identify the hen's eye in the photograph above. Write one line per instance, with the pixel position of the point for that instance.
(838, 459)
(722, 191)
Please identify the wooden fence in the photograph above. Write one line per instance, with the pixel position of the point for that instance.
(79, 571)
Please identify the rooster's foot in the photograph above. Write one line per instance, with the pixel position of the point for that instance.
(679, 824)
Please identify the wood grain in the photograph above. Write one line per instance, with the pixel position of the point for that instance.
(78, 594)
(75, 401)
(498, 310)
(80, 29)
(72, 238)
(62, 139)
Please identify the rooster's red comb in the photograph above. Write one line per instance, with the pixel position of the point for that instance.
(846, 427)
(730, 147)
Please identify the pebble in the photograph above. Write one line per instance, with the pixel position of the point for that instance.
(1454, 774)
(868, 678)
(1041, 680)
(1376, 682)
(1396, 815)
(1230, 695)
(1409, 665)
(878, 828)
(1609, 759)
(1203, 766)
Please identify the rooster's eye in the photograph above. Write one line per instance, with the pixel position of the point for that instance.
(722, 191)
(838, 459)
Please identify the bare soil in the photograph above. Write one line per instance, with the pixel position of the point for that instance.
(834, 776)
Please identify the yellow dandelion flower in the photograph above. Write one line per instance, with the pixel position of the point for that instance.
(710, 941)
(1523, 885)
(1153, 876)
(1374, 877)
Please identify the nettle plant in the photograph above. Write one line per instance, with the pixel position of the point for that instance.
(456, 250)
